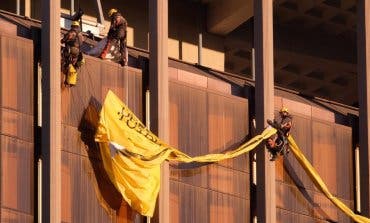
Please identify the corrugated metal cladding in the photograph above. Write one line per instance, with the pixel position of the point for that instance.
(328, 146)
(16, 129)
(88, 195)
(204, 121)
(204, 118)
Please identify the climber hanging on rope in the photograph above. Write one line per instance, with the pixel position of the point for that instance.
(278, 143)
(72, 58)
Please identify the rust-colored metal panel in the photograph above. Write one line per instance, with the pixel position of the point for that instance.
(297, 200)
(218, 85)
(125, 214)
(225, 208)
(174, 201)
(8, 28)
(95, 78)
(192, 78)
(11, 216)
(76, 99)
(302, 133)
(278, 102)
(16, 74)
(320, 139)
(343, 144)
(228, 181)
(89, 195)
(72, 141)
(285, 216)
(112, 78)
(323, 114)
(203, 121)
(134, 97)
(297, 107)
(190, 108)
(228, 127)
(172, 73)
(16, 124)
(193, 204)
(17, 175)
(82, 200)
(323, 147)
(16, 129)
(279, 170)
(189, 115)
(343, 218)
(325, 209)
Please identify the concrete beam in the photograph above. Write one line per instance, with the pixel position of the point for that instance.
(51, 112)
(264, 99)
(159, 96)
(224, 16)
(301, 41)
(363, 66)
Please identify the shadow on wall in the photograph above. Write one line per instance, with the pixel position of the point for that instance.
(87, 127)
(300, 186)
(341, 118)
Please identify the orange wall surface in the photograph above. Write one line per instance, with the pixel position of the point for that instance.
(16, 129)
(328, 146)
(87, 194)
(206, 118)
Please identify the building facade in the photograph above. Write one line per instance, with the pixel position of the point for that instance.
(232, 65)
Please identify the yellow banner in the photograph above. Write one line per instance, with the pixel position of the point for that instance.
(315, 177)
(132, 154)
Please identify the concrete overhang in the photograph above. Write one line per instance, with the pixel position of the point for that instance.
(223, 16)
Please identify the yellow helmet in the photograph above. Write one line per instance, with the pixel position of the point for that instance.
(111, 12)
(284, 109)
(75, 23)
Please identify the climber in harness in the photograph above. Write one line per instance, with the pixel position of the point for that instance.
(278, 143)
(72, 58)
(117, 36)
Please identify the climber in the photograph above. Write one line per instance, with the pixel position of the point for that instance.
(72, 58)
(117, 35)
(278, 143)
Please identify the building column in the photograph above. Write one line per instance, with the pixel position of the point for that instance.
(264, 99)
(27, 8)
(159, 96)
(51, 112)
(363, 67)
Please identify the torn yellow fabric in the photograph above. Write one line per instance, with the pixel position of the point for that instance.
(133, 165)
(312, 173)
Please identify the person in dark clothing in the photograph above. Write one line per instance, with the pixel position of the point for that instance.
(72, 57)
(278, 143)
(117, 34)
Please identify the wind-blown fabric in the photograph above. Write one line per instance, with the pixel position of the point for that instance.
(132, 154)
(315, 177)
